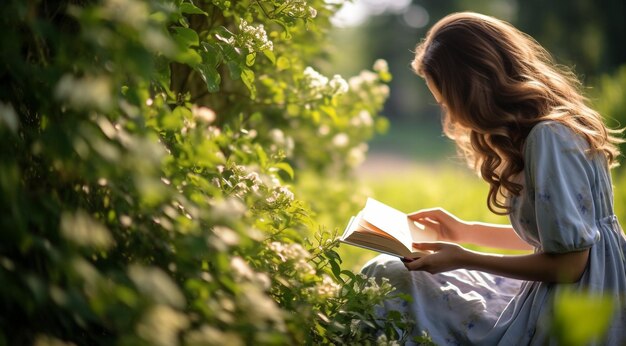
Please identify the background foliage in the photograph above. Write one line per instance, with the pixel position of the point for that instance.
(150, 155)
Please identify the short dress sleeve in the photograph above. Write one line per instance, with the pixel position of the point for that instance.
(560, 177)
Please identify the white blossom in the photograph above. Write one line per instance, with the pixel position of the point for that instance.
(229, 208)
(241, 269)
(381, 65)
(254, 178)
(254, 38)
(356, 155)
(317, 81)
(288, 252)
(328, 287)
(299, 9)
(134, 13)
(338, 85)
(366, 118)
(277, 136)
(364, 77)
(319, 85)
(280, 193)
(383, 90)
(208, 335)
(303, 267)
(263, 280)
(83, 230)
(161, 325)
(260, 307)
(86, 91)
(203, 114)
(213, 132)
(226, 235)
(341, 140)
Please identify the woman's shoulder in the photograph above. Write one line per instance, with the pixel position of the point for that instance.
(555, 133)
(549, 127)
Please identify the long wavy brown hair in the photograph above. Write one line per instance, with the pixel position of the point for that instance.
(496, 84)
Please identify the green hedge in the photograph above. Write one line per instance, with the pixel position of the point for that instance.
(150, 155)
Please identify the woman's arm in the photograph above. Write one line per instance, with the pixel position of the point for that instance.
(562, 268)
(451, 228)
(492, 235)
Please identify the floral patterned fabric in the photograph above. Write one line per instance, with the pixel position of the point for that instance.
(566, 205)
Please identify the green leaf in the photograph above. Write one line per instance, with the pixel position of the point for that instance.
(211, 58)
(262, 156)
(229, 52)
(163, 75)
(406, 297)
(270, 55)
(183, 21)
(349, 274)
(334, 255)
(250, 58)
(336, 269)
(282, 7)
(224, 32)
(174, 120)
(186, 37)
(210, 76)
(331, 112)
(190, 8)
(581, 317)
(285, 167)
(189, 57)
(385, 76)
(211, 53)
(247, 76)
(235, 69)
(282, 63)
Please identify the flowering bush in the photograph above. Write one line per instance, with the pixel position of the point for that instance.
(151, 175)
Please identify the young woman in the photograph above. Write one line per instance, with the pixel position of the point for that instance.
(522, 123)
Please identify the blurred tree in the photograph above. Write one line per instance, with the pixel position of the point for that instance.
(591, 35)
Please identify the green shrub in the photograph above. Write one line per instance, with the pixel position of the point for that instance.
(608, 98)
(150, 150)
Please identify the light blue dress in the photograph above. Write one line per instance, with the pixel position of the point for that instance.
(566, 205)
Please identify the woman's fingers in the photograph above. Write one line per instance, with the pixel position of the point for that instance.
(428, 222)
(412, 265)
(433, 213)
(421, 263)
(432, 246)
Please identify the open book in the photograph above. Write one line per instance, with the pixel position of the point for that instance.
(382, 228)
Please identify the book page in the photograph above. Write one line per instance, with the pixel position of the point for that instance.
(367, 227)
(396, 224)
(390, 220)
(350, 228)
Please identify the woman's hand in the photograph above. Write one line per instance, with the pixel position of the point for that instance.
(445, 257)
(447, 226)
(565, 267)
